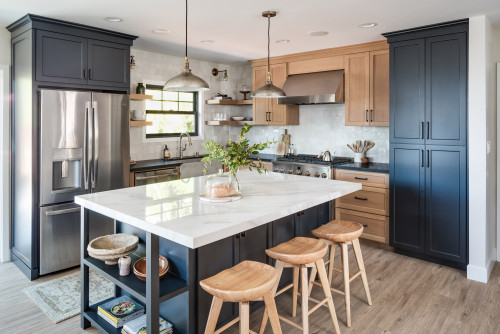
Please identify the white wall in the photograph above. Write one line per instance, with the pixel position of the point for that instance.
(496, 71)
(482, 160)
(4, 46)
(4, 164)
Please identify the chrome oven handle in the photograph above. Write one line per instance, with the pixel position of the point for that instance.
(154, 177)
(96, 144)
(85, 148)
(62, 212)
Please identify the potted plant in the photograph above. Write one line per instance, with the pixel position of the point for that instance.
(235, 154)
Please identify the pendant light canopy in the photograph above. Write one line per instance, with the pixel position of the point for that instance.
(268, 90)
(186, 81)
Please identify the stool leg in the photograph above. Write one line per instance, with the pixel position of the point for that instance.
(305, 300)
(314, 271)
(272, 312)
(320, 265)
(213, 315)
(295, 290)
(279, 267)
(361, 265)
(345, 269)
(330, 266)
(244, 318)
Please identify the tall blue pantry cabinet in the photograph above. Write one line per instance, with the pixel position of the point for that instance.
(428, 142)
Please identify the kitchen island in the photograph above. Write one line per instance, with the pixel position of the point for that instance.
(200, 238)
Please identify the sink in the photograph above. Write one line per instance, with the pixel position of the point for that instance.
(193, 166)
(188, 158)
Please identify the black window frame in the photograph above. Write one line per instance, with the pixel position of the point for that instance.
(162, 112)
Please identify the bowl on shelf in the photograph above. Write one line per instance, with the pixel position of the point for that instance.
(237, 118)
(140, 267)
(110, 248)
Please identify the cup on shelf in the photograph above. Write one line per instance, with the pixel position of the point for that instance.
(124, 265)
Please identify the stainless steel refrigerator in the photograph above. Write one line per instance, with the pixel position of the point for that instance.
(84, 148)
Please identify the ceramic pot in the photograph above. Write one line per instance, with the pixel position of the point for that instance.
(140, 89)
(139, 115)
(124, 265)
(358, 156)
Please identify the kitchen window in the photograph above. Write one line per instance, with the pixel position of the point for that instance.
(171, 113)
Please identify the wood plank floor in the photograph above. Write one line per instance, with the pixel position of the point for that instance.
(409, 296)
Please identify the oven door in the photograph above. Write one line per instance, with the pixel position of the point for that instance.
(156, 176)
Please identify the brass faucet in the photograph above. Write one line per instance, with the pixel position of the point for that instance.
(182, 149)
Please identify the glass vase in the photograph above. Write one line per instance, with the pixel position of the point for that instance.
(221, 185)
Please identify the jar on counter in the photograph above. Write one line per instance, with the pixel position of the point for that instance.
(221, 185)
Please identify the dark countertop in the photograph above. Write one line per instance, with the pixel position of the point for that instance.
(264, 157)
(374, 167)
(153, 164)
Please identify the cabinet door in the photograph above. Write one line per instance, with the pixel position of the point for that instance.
(253, 244)
(212, 259)
(306, 222)
(278, 111)
(324, 213)
(446, 202)
(108, 64)
(283, 230)
(260, 105)
(379, 88)
(357, 89)
(446, 90)
(61, 58)
(407, 197)
(407, 93)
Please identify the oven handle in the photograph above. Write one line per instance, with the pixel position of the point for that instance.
(141, 178)
(62, 212)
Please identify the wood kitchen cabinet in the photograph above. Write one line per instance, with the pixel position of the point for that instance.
(367, 88)
(268, 111)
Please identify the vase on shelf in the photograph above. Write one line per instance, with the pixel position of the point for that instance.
(140, 89)
(221, 185)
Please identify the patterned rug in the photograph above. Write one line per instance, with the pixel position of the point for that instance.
(59, 298)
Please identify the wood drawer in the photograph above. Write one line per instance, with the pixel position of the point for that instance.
(379, 180)
(376, 227)
(369, 199)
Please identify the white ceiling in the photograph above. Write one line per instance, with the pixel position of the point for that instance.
(238, 29)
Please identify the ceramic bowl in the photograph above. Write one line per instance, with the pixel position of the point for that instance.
(110, 248)
(238, 118)
(140, 267)
(139, 115)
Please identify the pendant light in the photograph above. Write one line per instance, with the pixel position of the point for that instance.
(268, 90)
(186, 81)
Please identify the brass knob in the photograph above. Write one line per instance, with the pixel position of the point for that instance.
(298, 172)
(275, 169)
(281, 170)
(290, 171)
(308, 173)
(316, 174)
(323, 175)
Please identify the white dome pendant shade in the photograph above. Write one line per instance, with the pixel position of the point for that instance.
(268, 90)
(186, 81)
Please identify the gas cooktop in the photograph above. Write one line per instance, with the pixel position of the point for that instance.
(313, 159)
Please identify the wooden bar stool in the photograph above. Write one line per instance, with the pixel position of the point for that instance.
(245, 282)
(301, 253)
(343, 233)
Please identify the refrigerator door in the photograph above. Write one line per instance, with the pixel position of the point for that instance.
(63, 146)
(111, 148)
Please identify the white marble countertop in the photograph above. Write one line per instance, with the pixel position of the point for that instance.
(173, 210)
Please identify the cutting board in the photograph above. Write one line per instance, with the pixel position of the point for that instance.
(283, 144)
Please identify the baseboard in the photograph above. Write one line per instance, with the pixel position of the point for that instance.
(482, 274)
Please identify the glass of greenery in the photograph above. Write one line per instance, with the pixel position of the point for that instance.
(236, 154)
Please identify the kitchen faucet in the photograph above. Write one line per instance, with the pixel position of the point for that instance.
(182, 149)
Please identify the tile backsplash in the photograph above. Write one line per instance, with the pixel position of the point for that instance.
(321, 126)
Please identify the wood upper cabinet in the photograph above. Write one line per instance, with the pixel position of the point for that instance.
(268, 111)
(367, 88)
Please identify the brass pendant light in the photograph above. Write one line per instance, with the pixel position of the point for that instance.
(268, 90)
(186, 81)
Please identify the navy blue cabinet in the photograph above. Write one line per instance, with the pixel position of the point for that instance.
(428, 138)
(108, 64)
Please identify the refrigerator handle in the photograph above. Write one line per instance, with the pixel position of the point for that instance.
(85, 147)
(96, 143)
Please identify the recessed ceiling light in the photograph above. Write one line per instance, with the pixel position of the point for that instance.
(368, 25)
(161, 31)
(207, 41)
(113, 19)
(318, 33)
(283, 41)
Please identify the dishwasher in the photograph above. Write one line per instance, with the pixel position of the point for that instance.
(156, 176)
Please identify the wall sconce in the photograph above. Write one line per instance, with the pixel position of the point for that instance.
(132, 62)
(215, 72)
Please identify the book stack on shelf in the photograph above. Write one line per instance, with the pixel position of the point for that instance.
(120, 310)
(138, 326)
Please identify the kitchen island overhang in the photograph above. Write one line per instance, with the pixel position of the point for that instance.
(195, 235)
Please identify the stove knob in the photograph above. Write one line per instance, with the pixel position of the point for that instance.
(275, 169)
(282, 170)
(323, 175)
(308, 173)
(316, 174)
(290, 171)
(298, 172)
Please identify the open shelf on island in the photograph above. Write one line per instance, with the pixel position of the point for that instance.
(170, 285)
(140, 97)
(99, 322)
(231, 102)
(228, 122)
(141, 123)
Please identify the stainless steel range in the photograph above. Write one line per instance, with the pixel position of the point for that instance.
(308, 165)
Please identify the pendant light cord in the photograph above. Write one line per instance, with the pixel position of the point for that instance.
(268, 42)
(186, 28)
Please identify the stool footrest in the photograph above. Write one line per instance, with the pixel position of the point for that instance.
(289, 286)
(288, 321)
(226, 326)
(355, 275)
(318, 305)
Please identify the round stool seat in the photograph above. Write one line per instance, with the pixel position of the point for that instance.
(299, 250)
(246, 281)
(339, 231)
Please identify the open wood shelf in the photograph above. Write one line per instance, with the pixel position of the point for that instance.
(228, 122)
(141, 123)
(140, 97)
(231, 102)
(170, 285)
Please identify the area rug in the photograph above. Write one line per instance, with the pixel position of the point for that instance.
(59, 298)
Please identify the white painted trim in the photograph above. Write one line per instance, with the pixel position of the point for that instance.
(498, 161)
(482, 274)
(5, 163)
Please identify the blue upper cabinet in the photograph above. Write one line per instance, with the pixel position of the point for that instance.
(446, 90)
(407, 92)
